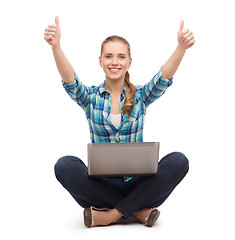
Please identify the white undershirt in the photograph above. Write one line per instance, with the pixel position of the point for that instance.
(115, 119)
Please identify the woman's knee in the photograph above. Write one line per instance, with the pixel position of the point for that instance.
(180, 160)
(64, 164)
(175, 160)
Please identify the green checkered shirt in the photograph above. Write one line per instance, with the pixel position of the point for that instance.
(96, 102)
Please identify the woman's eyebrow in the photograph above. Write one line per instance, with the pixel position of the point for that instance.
(118, 54)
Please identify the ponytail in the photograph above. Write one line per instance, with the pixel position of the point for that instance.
(129, 95)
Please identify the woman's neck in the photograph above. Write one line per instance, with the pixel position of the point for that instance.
(114, 86)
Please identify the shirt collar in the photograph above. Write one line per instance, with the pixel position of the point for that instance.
(102, 88)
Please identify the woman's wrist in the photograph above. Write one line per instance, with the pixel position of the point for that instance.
(55, 48)
(181, 48)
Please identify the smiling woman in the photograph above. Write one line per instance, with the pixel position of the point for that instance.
(106, 200)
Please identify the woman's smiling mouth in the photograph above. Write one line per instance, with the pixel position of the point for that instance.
(114, 70)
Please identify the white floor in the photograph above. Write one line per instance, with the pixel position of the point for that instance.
(46, 211)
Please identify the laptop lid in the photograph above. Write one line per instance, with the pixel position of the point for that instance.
(123, 159)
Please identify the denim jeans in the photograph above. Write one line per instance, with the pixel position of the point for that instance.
(127, 197)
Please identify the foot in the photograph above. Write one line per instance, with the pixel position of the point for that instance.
(142, 215)
(105, 218)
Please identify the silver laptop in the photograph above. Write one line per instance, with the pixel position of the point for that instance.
(122, 159)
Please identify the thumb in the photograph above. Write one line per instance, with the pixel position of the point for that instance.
(181, 25)
(57, 20)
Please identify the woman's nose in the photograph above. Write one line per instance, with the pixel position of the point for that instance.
(114, 61)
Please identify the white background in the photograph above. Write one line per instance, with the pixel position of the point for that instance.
(40, 123)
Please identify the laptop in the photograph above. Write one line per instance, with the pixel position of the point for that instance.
(122, 159)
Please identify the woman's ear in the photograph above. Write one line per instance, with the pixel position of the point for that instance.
(100, 62)
(130, 63)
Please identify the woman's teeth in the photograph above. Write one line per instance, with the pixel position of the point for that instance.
(114, 69)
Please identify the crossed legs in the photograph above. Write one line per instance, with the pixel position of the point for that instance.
(134, 198)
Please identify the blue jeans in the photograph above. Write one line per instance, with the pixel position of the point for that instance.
(127, 197)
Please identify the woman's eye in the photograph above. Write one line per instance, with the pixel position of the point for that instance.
(122, 57)
(108, 56)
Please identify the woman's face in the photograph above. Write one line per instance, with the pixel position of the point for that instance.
(115, 60)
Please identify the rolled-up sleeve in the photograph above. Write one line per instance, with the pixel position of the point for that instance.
(155, 88)
(77, 91)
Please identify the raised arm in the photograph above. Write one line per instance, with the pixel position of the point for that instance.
(185, 41)
(52, 35)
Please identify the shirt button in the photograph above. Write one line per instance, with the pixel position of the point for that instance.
(117, 137)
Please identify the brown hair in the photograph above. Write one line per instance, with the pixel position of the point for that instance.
(130, 88)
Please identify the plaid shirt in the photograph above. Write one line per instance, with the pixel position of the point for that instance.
(96, 102)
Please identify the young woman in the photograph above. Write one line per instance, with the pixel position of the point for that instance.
(115, 112)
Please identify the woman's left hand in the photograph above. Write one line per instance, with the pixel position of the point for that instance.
(185, 38)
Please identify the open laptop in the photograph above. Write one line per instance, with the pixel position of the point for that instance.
(122, 159)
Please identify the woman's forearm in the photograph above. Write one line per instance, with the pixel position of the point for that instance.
(186, 40)
(172, 64)
(64, 67)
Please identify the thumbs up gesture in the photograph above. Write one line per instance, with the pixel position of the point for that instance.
(185, 37)
(52, 33)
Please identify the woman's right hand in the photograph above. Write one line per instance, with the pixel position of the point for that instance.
(52, 33)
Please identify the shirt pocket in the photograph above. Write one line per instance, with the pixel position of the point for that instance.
(133, 123)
